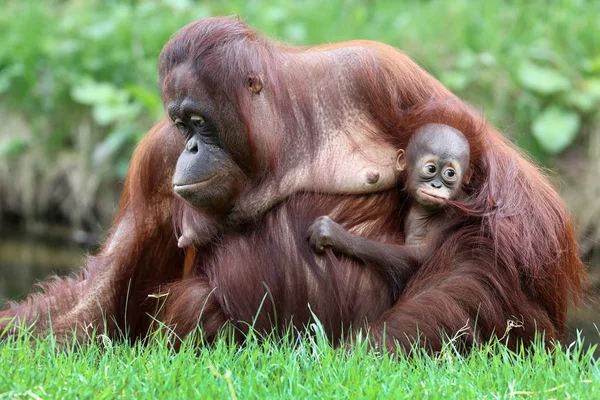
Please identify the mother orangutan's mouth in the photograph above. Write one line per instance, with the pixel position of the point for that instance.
(193, 187)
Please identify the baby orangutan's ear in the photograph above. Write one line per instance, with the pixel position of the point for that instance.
(468, 175)
(401, 160)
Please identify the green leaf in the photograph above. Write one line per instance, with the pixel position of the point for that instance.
(592, 86)
(555, 129)
(467, 59)
(109, 103)
(275, 14)
(455, 80)
(179, 5)
(8, 74)
(542, 79)
(149, 98)
(12, 147)
(122, 167)
(112, 145)
(584, 102)
(90, 92)
(591, 66)
(295, 32)
(105, 114)
(100, 30)
(587, 97)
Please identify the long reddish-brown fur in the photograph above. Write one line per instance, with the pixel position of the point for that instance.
(510, 253)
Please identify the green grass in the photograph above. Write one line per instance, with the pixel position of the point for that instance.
(288, 368)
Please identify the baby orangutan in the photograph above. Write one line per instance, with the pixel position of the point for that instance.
(434, 167)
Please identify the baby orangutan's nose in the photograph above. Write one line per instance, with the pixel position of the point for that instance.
(436, 185)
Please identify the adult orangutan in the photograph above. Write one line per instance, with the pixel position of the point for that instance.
(260, 140)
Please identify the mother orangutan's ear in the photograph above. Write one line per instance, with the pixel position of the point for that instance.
(401, 160)
(255, 83)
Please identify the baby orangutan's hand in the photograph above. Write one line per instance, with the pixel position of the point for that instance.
(326, 232)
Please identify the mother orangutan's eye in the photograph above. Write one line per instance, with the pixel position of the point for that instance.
(180, 126)
(198, 120)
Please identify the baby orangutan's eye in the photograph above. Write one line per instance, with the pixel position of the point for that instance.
(429, 169)
(449, 174)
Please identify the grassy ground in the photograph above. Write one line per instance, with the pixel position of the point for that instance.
(308, 368)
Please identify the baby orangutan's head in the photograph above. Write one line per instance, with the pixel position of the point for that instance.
(435, 165)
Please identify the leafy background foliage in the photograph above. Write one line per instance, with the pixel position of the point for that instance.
(78, 83)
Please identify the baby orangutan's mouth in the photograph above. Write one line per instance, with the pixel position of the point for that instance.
(431, 197)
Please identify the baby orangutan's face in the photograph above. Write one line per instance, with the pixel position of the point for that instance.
(436, 162)
(434, 180)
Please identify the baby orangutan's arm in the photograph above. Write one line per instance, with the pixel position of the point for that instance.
(396, 263)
